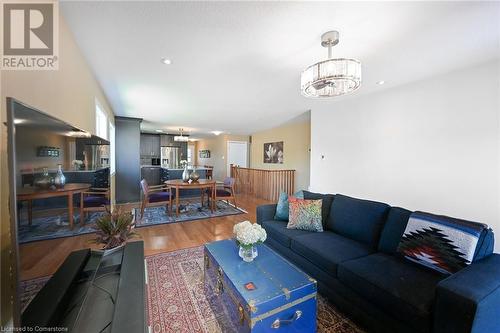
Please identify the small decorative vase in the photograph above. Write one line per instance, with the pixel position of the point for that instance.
(185, 174)
(44, 181)
(248, 254)
(60, 179)
(194, 176)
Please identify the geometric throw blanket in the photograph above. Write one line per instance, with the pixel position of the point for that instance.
(441, 243)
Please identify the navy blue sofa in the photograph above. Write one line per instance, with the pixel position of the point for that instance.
(355, 263)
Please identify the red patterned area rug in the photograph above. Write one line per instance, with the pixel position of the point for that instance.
(177, 303)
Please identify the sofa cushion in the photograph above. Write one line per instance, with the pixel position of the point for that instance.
(394, 227)
(402, 289)
(325, 206)
(282, 207)
(159, 197)
(358, 219)
(278, 231)
(327, 249)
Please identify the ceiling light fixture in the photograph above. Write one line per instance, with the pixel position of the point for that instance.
(166, 61)
(217, 132)
(331, 77)
(380, 82)
(78, 134)
(181, 138)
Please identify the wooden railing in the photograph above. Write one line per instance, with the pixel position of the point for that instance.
(264, 184)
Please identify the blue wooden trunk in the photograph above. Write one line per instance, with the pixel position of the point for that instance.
(283, 298)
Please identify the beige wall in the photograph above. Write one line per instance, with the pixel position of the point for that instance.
(68, 94)
(296, 139)
(29, 139)
(218, 152)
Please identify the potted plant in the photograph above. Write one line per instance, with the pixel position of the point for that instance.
(114, 228)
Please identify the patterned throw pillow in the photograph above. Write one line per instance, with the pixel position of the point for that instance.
(305, 214)
(282, 207)
(441, 243)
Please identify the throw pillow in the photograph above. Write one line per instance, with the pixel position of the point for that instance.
(282, 207)
(441, 243)
(326, 205)
(305, 214)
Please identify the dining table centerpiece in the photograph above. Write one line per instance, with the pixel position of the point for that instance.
(185, 173)
(248, 235)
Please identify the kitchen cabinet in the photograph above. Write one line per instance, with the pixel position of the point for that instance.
(183, 151)
(167, 140)
(155, 145)
(151, 174)
(150, 145)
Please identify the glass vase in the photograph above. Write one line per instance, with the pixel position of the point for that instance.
(248, 254)
(60, 179)
(194, 176)
(185, 174)
(43, 181)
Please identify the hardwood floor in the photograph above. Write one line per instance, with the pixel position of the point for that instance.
(44, 257)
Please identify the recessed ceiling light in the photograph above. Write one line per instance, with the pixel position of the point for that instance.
(166, 61)
(217, 132)
(380, 82)
(159, 131)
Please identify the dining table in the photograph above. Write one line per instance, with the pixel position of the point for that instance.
(69, 190)
(201, 184)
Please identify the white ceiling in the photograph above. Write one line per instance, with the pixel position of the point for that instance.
(236, 65)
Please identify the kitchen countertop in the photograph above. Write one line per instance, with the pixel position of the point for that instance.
(64, 171)
(159, 166)
(189, 168)
(92, 170)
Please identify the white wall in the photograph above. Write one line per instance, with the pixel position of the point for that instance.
(432, 145)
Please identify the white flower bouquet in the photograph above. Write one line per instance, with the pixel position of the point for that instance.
(77, 164)
(248, 234)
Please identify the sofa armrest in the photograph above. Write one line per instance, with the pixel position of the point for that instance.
(469, 300)
(266, 213)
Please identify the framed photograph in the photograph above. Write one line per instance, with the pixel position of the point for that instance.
(204, 153)
(273, 152)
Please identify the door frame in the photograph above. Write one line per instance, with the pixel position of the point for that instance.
(228, 165)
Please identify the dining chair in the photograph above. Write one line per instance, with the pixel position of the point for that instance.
(156, 195)
(224, 191)
(209, 171)
(96, 199)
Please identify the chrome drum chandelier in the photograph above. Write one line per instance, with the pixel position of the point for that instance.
(331, 77)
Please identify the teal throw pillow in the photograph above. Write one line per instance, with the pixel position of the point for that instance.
(282, 208)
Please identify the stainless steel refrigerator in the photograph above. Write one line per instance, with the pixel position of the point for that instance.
(170, 157)
(96, 156)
